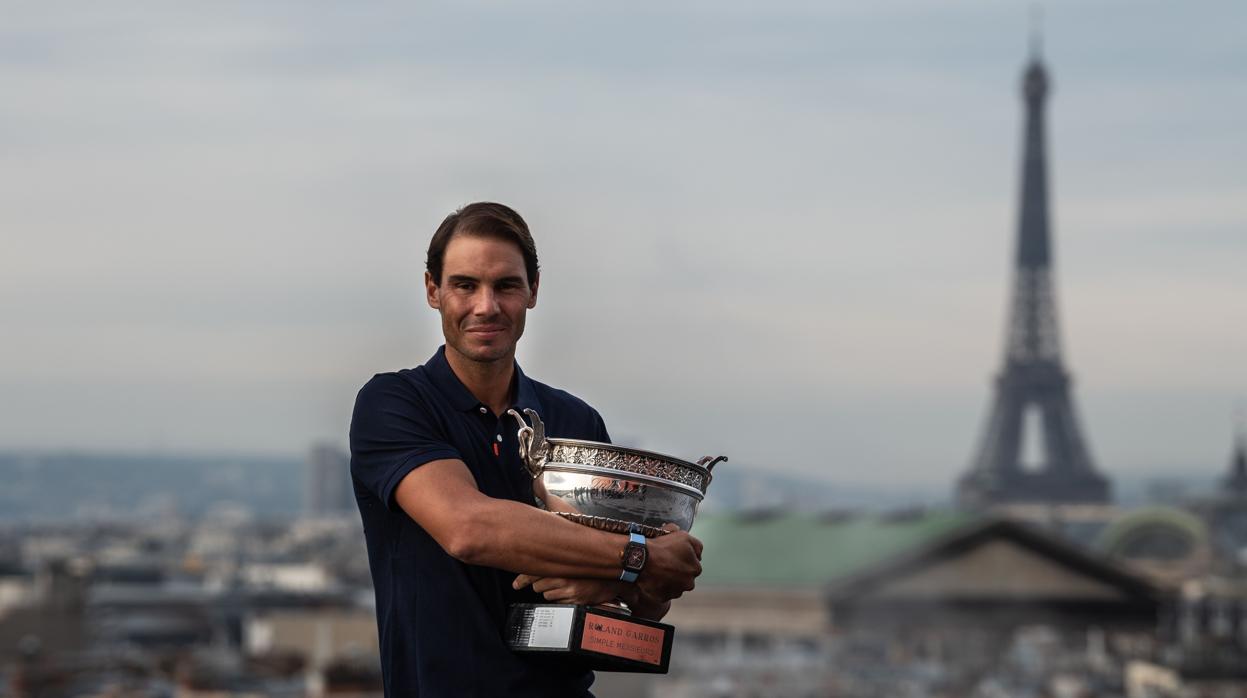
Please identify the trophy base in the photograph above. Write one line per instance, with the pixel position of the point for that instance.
(607, 640)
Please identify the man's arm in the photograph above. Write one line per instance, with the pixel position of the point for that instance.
(477, 529)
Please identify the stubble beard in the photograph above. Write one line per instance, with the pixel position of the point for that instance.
(485, 354)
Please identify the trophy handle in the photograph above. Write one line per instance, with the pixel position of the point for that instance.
(708, 462)
(533, 445)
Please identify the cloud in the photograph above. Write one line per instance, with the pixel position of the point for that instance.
(762, 229)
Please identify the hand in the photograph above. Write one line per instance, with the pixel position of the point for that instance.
(644, 606)
(674, 562)
(578, 591)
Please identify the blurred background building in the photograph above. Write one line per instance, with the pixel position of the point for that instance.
(327, 482)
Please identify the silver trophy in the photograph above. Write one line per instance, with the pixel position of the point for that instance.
(616, 489)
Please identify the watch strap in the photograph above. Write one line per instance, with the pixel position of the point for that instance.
(634, 538)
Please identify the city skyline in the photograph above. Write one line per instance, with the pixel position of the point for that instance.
(783, 235)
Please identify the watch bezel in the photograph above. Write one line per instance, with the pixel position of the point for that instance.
(631, 552)
(634, 555)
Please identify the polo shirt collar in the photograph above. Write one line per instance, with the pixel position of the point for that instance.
(526, 394)
(462, 399)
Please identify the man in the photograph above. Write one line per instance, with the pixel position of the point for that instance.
(453, 536)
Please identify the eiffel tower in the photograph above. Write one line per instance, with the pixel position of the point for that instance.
(1033, 378)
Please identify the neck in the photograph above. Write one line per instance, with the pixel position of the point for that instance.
(489, 382)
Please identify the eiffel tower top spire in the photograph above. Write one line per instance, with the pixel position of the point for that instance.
(1036, 37)
(1033, 236)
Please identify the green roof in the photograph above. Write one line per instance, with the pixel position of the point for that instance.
(809, 550)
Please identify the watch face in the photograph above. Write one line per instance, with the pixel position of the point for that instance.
(634, 557)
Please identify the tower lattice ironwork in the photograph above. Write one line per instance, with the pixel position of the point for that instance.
(1033, 377)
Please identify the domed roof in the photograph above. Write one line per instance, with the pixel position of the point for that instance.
(1155, 533)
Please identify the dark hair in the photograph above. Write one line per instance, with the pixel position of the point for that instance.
(485, 219)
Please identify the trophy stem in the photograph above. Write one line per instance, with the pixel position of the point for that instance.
(617, 605)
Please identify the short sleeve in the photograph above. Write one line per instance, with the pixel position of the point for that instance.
(599, 429)
(393, 431)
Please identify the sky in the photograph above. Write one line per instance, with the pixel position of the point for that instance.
(778, 231)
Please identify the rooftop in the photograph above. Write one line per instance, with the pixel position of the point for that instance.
(787, 549)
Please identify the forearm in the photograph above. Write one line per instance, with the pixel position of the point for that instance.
(442, 497)
(519, 538)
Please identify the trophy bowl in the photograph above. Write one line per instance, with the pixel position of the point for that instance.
(611, 487)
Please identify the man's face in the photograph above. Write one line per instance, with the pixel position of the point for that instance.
(483, 296)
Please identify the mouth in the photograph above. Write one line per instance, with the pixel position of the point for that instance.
(486, 331)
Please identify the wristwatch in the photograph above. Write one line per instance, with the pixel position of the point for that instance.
(634, 555)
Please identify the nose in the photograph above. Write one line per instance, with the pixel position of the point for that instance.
(486, 302)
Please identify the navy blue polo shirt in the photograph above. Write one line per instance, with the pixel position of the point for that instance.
(441, 621)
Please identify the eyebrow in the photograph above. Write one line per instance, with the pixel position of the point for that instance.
(454, 278)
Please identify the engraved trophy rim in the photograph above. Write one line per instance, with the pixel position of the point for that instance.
(705, 474)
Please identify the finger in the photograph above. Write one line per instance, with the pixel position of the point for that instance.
(543, 585)
(670, 527)
(524, 580)
(697, 546)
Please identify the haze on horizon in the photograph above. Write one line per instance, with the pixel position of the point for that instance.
(779, 233)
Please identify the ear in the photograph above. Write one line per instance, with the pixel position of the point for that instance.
(430, 292)
(532, 297)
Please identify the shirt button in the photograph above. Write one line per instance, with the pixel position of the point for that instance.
(484, 411)
(499, 437)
